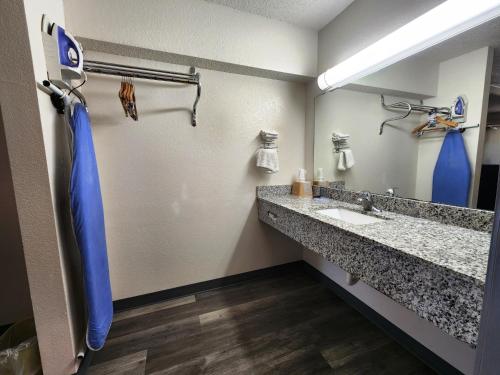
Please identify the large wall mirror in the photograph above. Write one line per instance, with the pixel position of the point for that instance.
(441, 114)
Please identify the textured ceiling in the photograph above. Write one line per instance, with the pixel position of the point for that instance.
(311, 14)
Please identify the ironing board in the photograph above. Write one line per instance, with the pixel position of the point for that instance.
(452, 173)
(88, 222)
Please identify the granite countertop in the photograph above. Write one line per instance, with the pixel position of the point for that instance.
(460, 250)
(434, 269)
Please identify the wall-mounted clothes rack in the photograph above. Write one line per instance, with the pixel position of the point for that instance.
(191, 78)
(409, 108)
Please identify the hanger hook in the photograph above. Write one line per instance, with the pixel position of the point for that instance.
(198, 95)
(396, 117)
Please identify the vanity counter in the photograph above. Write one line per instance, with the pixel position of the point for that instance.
(434, 269)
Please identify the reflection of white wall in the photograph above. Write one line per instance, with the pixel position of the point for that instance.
(463, 75)
(492, 138)
(383, 161)
(491, 147)
(412, 78)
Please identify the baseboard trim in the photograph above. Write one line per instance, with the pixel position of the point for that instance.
(409, 343)
(181, 291)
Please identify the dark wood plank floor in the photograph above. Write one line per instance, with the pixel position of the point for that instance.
(287, 324)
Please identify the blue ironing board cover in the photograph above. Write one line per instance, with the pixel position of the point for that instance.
(88, 223)
(452, 173)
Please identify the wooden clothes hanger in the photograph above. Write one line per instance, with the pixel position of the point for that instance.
(430, 125)
(449, 123)
(132, 106)
(127, 98)
(121, 95)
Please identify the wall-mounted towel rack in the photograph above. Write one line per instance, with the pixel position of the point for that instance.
(191, 78)
(409, 108)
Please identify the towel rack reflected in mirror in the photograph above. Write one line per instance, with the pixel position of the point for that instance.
(408, 108)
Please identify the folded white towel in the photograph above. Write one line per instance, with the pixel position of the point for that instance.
(271, 133)
(267, 158)
(346, 160)
(338, 135)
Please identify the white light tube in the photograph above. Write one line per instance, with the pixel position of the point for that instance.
(443, 22)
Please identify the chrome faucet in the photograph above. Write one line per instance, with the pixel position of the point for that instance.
(366, 201)
(391, 192)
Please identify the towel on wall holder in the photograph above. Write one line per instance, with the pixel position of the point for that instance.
(267, 154)
(346, 160)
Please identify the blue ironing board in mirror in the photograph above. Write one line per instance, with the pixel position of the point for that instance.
(88, 223)
(452, 173)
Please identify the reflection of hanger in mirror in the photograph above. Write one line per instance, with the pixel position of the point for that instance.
(409, 108)
(443, 121)
(419, 128)
(425, 128)
(431, 123)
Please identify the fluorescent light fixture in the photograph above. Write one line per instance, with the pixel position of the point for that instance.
(443, 22)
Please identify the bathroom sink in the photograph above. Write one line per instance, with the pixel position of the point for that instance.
(349, 216)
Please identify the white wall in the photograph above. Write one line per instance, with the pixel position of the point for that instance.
(197, 28)
(468, 75)
(382, 161)
(57, 154)
(447, 347)
(30, 128)
(179, 201)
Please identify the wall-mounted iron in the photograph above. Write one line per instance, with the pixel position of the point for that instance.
(63, 54)
(64, 62)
